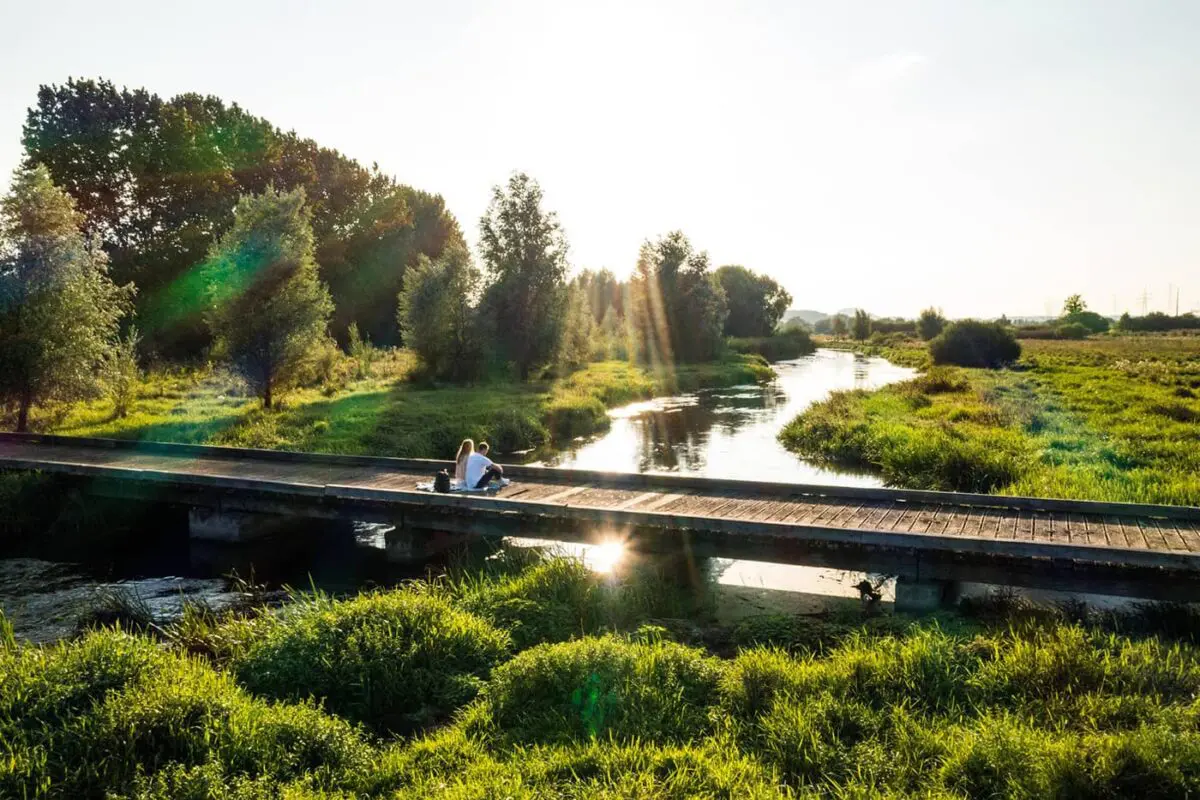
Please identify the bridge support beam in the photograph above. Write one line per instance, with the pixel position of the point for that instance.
(407, 545)
(916, 596)
(231, 526)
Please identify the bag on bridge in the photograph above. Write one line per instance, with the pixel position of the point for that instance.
(441, 482)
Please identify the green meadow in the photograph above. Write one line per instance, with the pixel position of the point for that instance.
(1105, 418)
(383, 409)
(535, 678)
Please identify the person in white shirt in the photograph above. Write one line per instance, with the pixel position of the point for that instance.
(481, 471)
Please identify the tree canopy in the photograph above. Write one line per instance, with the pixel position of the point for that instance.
(157, 180)
(756, 302)
(267, 304)
(930, 323)
(59, 309)
(525, 252)
(678, 307)
(437, 315)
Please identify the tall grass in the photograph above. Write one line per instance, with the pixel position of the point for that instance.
(1019, 702)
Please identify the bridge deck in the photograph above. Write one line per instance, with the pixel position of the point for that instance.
(1064, 528)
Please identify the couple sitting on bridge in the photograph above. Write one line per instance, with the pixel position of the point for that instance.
(474, 470)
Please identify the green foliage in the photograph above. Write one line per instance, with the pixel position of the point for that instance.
(437, 317)
(756, 302)
(930, 323)
(860, 328)
(579, 330)
(59, 310)
(393, 660)
(525, 252)
(1072, 330)
(361, 351)
(269, 308)
(1095, 323)
(158, 179)
(791, 343)
(677, 308)
(599, 688)
(122, 374)
(1158, 321)
(970, 343)
(1074, 305)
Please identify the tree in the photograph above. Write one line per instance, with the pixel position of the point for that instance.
(157, 181)
(59, 309)
(268, 306)
(678, 308)
(756, 302)
(525, 252)
(930, 323)
(579, 327)
(1074, 305)
(437, 315)
(839, 325)
(861, 327)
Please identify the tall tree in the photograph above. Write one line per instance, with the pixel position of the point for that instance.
(268, 305)
(59, 309)
(1074, 305)
(158, 180)
(677, 306)
(525, 252)
(756, 302)
(436, 313)
(860, 328)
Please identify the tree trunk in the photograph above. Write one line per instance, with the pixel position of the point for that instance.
(23, 413)
(267, 395)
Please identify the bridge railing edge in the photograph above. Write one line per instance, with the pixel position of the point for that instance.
(635, 480)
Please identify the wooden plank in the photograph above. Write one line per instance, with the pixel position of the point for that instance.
(565, 493)
(1189, 532)
(36, 451)
(1133, 534)
(641, 498)
(1023, 526)
(1170, 537)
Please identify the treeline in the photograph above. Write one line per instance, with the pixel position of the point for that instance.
(1157, 321)
(199, 230)
(521, 314)
(157, 181)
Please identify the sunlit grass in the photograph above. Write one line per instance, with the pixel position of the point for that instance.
(1107, 419)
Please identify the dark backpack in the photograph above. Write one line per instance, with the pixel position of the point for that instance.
(441, 482)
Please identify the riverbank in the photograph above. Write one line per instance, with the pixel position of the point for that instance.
(538, 678)
(384, 412)
(1109, 418)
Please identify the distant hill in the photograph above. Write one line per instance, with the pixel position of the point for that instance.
(806, 315)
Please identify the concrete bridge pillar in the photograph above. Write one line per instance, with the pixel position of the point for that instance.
(920, 595)
(231, 526)
(406, 545)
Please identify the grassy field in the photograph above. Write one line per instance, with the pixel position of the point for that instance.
(540, 679)
(1108, 418)
(385, 413)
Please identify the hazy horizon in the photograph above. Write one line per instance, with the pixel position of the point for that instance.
(889, 156)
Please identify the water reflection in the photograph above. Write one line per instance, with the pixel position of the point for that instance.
(731, 433)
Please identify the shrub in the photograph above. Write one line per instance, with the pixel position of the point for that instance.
(394, 660)
(1072, 330)
(970, 343)
(791, 343)
(515, 430)
(930, 323)
(602, 687)
(1093, 322)
(573, 415)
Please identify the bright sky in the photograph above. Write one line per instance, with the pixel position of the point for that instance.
(984, 157)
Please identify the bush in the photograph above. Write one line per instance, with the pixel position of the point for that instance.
(602, 687)
(792, 343)
(1093, 322)
(1072, 330)
(970, 343)
(394, 660)
(513, 431)
(930, 323)
(574, 415)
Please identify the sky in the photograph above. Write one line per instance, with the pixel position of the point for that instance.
(981, 157)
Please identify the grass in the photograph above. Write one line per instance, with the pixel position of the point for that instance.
(1108, 418)
(1011, 701)
(384, 413)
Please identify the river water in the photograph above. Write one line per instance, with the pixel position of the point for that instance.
(722, 433)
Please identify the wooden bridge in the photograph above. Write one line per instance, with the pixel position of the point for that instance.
(923, 537)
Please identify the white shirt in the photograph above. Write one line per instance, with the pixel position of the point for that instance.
(476, 466)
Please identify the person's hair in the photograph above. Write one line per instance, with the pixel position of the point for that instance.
(465, 449)
(483, 447)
